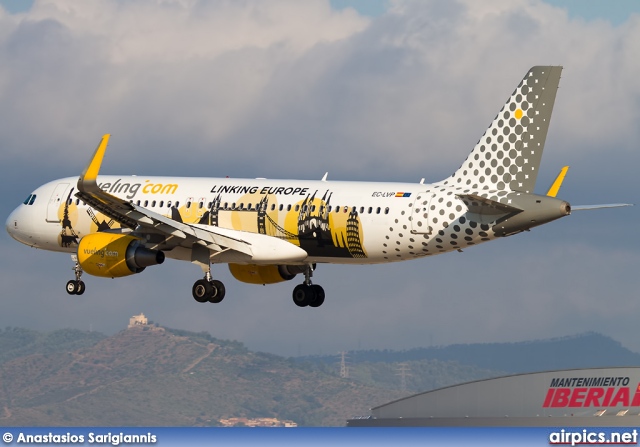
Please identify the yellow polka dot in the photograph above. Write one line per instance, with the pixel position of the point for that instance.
(518, 113)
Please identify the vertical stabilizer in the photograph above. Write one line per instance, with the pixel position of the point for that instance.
(508, 155)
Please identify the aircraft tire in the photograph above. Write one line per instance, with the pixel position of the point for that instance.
(218, 291)
(202, 291)
(72, 287)
(303, 295)
(80, 287)
(319, 296)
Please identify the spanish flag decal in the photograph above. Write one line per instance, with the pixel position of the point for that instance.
(403, 194)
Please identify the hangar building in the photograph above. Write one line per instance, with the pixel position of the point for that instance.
(577, 397)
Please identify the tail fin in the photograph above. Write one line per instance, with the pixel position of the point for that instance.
(508, 155)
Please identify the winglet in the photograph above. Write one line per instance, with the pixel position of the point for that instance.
(557, 183)
(90, 174)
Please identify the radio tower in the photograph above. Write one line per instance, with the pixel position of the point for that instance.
(344, 369)
(403, 372)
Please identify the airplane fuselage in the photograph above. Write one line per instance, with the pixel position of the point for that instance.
(333, 221)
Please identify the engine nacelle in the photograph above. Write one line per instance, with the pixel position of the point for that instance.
(114, 255)
(264, 274)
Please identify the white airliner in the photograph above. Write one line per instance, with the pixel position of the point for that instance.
(269, 231)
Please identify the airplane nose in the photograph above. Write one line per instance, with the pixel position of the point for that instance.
(11, 225)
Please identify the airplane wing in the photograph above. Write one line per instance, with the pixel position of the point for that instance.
(258, 247)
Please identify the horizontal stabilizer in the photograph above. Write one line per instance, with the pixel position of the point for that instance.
(481, 205)
(597, 207)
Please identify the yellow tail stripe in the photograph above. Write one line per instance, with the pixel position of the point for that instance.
(555, 187)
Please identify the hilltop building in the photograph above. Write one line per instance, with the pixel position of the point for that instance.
(138, 320)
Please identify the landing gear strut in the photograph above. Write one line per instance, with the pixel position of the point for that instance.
(308, 294)
(208, 290)
(76, 287)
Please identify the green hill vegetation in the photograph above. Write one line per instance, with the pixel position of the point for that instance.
(588, 350)
(154, 376)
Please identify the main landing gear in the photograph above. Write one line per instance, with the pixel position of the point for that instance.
(208, 290)
(76, 287)
(308, 294)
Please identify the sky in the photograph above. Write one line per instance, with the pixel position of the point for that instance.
(376, 91)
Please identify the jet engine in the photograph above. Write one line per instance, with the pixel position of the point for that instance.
(114, 255)
(265, 274)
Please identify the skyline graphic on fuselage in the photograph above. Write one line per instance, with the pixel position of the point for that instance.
(313, 231)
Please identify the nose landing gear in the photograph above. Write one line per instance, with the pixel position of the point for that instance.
(76, 287)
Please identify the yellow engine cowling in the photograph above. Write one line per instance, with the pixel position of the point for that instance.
(114, 255)
(264, 274)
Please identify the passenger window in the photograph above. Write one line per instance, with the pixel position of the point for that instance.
(313, 208)
(138, 203)
(161, 203)
(304, 208)
(386, 210)
(329, 208)
(200, 204)
(281, 207)
(226, 205)
(337, 209)
(362, 210)
(273, 207)
(177, 205)
(188, 205)
(346, 209)
(241, 206)
(153, 204)
(370, 210)
(209, 204)
(168, 203)
(146, 203)
(378, 210)
(233, 206)
(297, 207)
(289, 207)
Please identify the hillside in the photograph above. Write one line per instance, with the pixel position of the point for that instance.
(156, 376)
(18, 342)
(589, 350)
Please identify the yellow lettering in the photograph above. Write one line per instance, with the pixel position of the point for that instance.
(159, 188)
(170, 188)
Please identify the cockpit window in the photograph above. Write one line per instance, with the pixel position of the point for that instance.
(29, 200)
